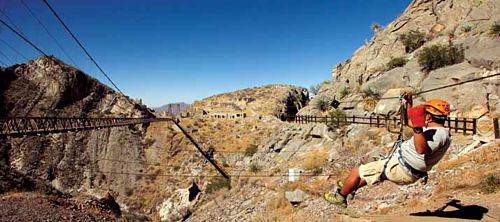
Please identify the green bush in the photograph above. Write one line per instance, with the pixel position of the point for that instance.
(396, 62)
(218, 183)
(251, 150)
(466, 27)
(338, 117)
(317, 171)
(437, 56)
(321, 102)
(370, 91)
(489, 184)
(412, 40)
(495, 28)
(344, 91)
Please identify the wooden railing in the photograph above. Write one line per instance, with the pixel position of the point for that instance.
(464, 125)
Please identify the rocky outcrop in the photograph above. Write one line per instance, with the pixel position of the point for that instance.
(465, 23)
(259, 102)
(72, 161)
(172, 108)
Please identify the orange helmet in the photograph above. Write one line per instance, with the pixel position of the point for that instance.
(437, 107)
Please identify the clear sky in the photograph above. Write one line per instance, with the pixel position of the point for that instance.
(167, 51)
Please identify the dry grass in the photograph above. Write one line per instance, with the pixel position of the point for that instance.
(478, 164)
(314, 159)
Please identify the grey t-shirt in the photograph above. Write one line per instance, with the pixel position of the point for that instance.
(438, 140)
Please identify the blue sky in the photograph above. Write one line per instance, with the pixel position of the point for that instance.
(185, 50)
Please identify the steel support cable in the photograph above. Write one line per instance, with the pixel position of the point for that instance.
(6, 57)
(10, 20)
(433, 89)
(82, 47)
(214, 164)
(47, 31)
(13, 49)
(197, 176)
(22, 37)
(1, 62)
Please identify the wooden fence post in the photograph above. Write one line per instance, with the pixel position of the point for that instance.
(465, 126)
(353, 119)
(495, 128)
(378, 121)
(456, 124)
(474, 126)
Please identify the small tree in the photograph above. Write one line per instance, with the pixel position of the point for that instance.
(466, 27)
(314, 89)
(412, 40)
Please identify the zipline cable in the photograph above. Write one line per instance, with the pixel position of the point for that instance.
(433, 89)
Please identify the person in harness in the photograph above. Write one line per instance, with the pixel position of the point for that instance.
(410, 160)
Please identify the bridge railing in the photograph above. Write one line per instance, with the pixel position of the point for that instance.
(36, 125)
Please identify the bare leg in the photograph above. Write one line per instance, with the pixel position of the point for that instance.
(352, 183)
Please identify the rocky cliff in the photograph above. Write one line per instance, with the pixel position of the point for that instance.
(393, 58)
(173, 108)
(265, 101)
(71, 162)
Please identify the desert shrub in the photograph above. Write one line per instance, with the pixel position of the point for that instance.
(251, 150)
(395, 62)
(317, 171)
(495, 28)
(338, 117)
(344, 91)
(376, 27)
(253, 167)
(490, 184)
(321, 102)
(437, 56)
(412, 40)
(466, 27)
(370, 91)
(218, 183)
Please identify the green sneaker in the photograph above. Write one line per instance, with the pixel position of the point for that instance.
(340, 184)
(336, 199)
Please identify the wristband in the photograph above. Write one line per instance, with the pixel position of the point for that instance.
(418, 130)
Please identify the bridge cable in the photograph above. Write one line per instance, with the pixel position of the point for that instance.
(13, 49)
(6, 57)
(47, 31)
(22, 37)
(82, 47)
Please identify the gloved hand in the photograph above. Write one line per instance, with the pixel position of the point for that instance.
(417, 116)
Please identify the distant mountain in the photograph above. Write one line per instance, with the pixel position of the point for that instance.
(173, 108)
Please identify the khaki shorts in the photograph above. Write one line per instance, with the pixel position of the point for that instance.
(394, 172)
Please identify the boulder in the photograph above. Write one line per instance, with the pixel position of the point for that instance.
(295, 197)
(320, 131)
(388, 107)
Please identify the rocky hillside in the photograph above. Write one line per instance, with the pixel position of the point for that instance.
(432, 43)
(271, 100)
(69, 162)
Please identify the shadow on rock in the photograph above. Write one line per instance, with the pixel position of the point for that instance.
(471, 212)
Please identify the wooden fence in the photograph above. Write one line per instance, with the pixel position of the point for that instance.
(464, 125)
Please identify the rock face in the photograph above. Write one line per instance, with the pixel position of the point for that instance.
(271, 100)
(75, 160)
(465, 23)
